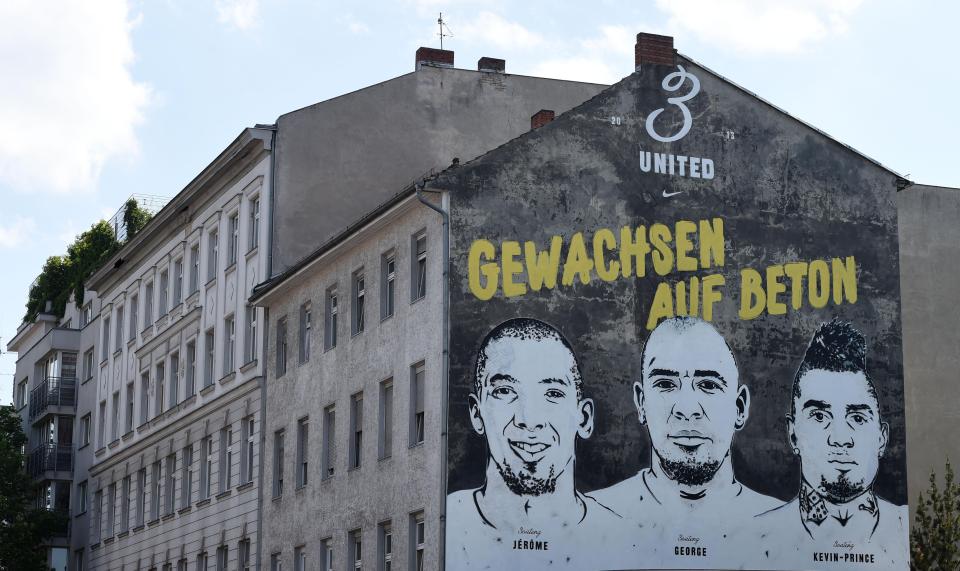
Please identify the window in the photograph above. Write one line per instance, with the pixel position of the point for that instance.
(86, 315)
(278, 463)
(299, 559)
(191, 369)
(105, 344)
(148, 305)
(385, 546)
(356, 430)
(164, 293)
(170, 485)
(87, 375)
(186, 476)
(222, 558)
(174, 379)
(330, 334)
(159, 389)
(115, 425)
(417, 541)
(254, 236)
(303, 455)
(418, 282)
(118, 332)
(22, 385)
(230, 344)
(306, 328)
(226, 458)
(78, 560)
(385, 421)
(326, 554)
(111, 508)
(388, 284)
(275, 563)
(359, 296)
(194, 268)
(134, 309)
(281, 346)
(129, 416)
(250, 335)
(155, 490)
(243, 555)
(177, 281)
(141, 495)
(81, 497)
(85, 430)
(329, 425)
(181, 565)
(102, 426)
(97, 516)
(202, 561)
(144, 396)
(208, 347)
(213, 252)
(206, 469)
(125, 505)
(356, 549)
(234, 239)
(417, 419)
(247, 427)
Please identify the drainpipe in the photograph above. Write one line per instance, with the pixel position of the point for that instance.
(445, 365)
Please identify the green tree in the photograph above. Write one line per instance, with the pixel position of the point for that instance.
(53, 284)
(935, 538)
(134, 218)
(23, 527)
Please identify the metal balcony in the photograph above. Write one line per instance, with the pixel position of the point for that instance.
(50, 458)
(53, 392)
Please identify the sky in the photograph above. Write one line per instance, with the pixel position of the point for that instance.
(101, 100)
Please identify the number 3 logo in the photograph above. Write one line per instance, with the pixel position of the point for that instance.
(673, 82)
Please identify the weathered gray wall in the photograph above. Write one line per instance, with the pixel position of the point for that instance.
(338, 159)
(930, 283)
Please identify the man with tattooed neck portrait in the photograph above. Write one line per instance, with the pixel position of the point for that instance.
(529, 406)
(836, 428)
(691, 401)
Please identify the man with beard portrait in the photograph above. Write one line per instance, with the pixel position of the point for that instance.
(836, 428)
(529, 406)
(691, 401)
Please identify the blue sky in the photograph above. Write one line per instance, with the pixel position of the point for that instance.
(104, 99)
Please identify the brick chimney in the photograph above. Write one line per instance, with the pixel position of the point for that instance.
(655, 49)
(433, 56)
(491, 64)
(541, 118)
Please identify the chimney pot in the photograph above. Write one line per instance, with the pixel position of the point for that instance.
(433, 56)
(655, 49)
(491, 64)
(541, 118)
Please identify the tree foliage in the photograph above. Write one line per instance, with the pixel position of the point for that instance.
(23, 527)
(935, 538)
(134, 218)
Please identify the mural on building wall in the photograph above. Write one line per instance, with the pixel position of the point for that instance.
(675, 342)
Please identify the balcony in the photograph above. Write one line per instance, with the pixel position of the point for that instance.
(50, 458)
(53, 392)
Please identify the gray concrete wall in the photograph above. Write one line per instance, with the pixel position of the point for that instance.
(930, 282)
(338, 159)
(381, 489)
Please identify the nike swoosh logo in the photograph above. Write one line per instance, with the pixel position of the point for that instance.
(669, 194)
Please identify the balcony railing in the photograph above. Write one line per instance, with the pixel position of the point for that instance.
(50, 457)
(53, 391)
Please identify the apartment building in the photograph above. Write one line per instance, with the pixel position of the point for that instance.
(53, 393)
(177, 415)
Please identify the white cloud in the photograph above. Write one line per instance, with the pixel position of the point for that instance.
(68, 102)
(358, 28)
(489, 28)
(760, 26)
(242, 14)
(13, 235)
(580, 68)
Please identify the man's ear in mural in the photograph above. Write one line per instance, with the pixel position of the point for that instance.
(791, 432)
(585, 426)
(884, 438)
(475, 419)
(638, 401)
(743, 406)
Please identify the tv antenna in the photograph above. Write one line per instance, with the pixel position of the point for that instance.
(443, 26)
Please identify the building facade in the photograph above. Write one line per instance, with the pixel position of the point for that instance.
(177, 418)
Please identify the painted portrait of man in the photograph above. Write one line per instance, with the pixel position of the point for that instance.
(690, 399)
(528, 405)
(836, 428)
